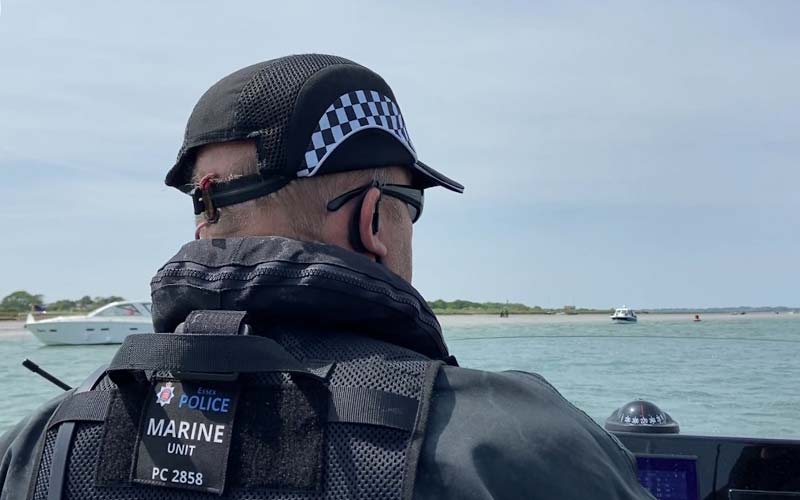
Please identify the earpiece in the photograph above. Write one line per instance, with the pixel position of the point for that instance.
(376, 217)
(354, 236)
(354, 233)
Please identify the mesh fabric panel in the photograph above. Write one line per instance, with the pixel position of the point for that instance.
(43, 477)
(362, 363)
(366, 462)
(105, 384)
(267, 100)
(83, 460)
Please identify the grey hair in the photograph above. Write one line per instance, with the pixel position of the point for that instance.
(302, 200)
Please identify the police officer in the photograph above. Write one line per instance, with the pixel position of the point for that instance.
(295, 360)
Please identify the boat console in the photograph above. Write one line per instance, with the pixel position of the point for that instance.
(673, 466)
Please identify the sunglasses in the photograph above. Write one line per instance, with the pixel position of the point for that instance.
(414, 198)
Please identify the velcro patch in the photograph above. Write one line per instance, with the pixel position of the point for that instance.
(279, 441)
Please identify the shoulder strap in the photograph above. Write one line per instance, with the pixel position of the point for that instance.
(420, 426)
(91, 406)
(360, 405)
(58, 466)
(202, 354)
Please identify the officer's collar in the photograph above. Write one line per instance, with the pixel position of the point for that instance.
(283, 281)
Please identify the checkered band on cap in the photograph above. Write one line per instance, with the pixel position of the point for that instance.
(350, 113)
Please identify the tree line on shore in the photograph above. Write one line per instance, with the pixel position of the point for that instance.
(23, 301)
(468, 307)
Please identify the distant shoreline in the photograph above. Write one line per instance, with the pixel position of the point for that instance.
(14, 328)
(460, 307)
(6, 321)
(610, 311)
(19, 304)
(743, 311)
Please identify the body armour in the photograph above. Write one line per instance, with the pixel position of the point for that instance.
(291, 370)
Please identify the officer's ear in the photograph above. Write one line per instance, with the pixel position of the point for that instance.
(369, 226)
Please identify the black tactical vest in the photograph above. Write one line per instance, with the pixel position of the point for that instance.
(222, 410)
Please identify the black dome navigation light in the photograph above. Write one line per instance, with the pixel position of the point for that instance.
(642, 417)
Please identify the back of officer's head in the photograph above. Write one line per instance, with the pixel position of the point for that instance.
(298, 210)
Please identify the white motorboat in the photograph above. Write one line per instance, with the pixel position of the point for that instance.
(109, 324)
(624, 315)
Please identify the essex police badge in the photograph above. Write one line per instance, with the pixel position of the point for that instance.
(165, 394)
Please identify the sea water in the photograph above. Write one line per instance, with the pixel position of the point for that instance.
(725, 375)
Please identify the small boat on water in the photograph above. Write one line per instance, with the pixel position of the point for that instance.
(624, 315)
(109, 324)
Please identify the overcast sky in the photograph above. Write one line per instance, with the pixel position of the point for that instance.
(637, 152)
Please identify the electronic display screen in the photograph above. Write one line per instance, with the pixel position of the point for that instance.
(668, 477)
(761, 495)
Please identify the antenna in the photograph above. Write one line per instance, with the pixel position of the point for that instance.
(30, 365)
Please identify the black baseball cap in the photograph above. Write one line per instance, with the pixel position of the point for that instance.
(310, 114)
